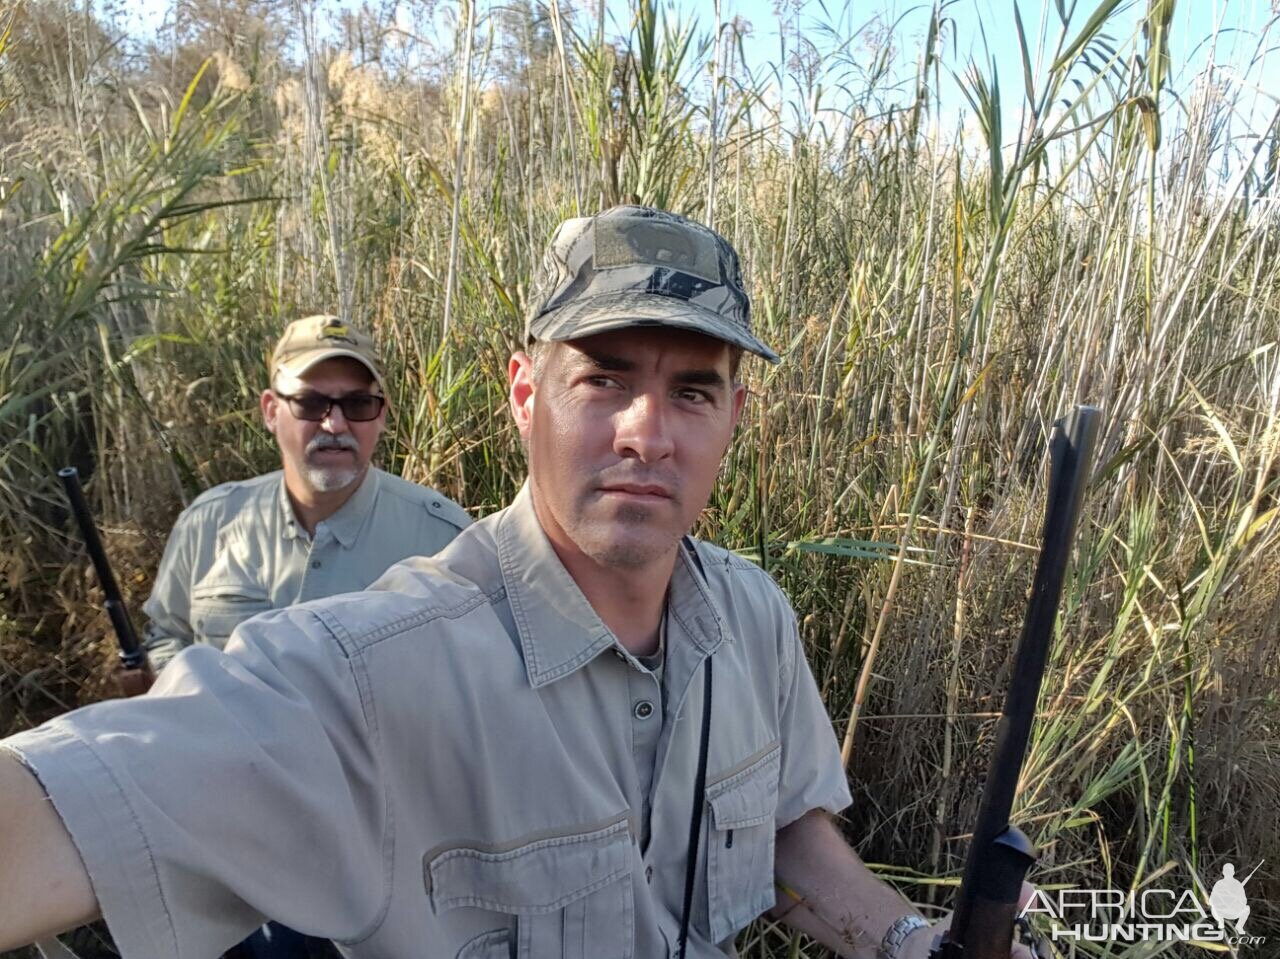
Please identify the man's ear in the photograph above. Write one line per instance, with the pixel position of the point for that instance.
(269, 403)
(520, 390)
(739, 402)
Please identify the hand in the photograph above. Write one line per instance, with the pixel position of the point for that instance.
(920, 943)
(134, 682)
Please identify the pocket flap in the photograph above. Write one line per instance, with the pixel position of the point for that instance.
(218, 616)
(531, 878)
(229, 594)
(749, 796)
(219, 623)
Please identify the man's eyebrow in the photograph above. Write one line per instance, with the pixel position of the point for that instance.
(608, 362)
(703, 377)
(605, 361)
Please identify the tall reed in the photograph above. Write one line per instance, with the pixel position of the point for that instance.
(940, 294)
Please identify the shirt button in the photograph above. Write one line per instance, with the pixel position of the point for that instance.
(644, 709)
(315, 564)
(648, 874)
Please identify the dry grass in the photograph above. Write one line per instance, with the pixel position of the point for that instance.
(940, 297)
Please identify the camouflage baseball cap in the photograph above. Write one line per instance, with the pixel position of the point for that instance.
(314, 339)
(637, 266)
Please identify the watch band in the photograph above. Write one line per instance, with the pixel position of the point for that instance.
(897, 935)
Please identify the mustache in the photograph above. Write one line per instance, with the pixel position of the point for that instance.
(329, 441)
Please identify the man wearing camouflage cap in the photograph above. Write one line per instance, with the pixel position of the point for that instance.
(327, 522)
(575, 732)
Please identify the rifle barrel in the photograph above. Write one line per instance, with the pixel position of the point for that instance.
(131, 652)
(1071, 455)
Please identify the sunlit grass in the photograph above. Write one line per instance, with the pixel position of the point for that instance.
(939, 296)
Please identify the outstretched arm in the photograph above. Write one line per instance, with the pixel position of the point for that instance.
(44, 888)
(828, 893)
(183, 804)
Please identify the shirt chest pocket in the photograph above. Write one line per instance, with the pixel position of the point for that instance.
(217, 609)
(569, 895)
(740, 841)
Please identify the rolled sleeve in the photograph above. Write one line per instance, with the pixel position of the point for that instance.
(812, 775)
(244, 785)
(162, 646)
(106, 833)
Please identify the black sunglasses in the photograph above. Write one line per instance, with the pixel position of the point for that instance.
(356, 407)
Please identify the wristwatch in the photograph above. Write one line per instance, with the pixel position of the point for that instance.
(897, 935)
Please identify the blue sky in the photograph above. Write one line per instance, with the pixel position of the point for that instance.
(1238, 23)
(1224, 33)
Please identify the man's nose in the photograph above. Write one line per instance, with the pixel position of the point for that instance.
(334, 421)
(642, 430)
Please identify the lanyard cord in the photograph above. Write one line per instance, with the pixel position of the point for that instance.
(699, 800)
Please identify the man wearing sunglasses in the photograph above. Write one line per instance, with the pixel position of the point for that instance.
(326, 523)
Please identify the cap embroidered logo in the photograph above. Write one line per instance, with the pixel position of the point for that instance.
(336, 331)
(636, 242)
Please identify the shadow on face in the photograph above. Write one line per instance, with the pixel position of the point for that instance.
(625, 432)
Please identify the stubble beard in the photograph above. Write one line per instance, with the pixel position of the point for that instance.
(633, 551)
(596, 535)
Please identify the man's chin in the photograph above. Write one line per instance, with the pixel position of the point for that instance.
(625, 546)
(330, 480)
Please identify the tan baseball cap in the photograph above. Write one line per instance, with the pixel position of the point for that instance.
(314, 339)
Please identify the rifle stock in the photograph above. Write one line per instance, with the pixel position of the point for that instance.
(1000, 854)
(135, 675)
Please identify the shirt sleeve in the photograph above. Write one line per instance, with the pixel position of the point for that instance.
(244, 786)
(812, 775)
(168, 608)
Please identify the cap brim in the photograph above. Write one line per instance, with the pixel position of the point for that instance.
(298, 369)
(620, 311)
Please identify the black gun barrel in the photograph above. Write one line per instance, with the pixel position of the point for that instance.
(132, 655)
(1000, 854)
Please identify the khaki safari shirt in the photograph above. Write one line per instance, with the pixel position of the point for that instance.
(447, 764)
(238, 550)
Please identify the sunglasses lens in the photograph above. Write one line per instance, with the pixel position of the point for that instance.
(357, 407)
(360, 407)
(309, 406)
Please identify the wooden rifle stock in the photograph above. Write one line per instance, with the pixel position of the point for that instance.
(134, 676)
(1000, 854)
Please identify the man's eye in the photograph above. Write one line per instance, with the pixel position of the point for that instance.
(691, 395)
(312, 404)
(605, 382)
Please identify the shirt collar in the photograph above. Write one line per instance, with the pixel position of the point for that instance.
(346, 523)
(559, 630)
